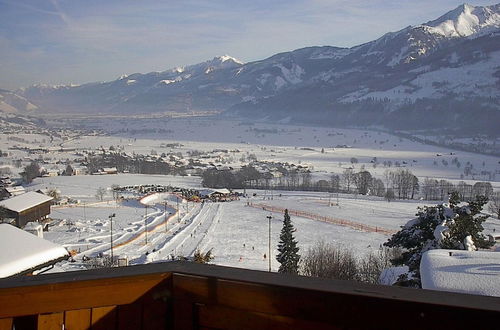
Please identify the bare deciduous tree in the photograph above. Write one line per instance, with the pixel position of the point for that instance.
(99, 194)
(494, 205)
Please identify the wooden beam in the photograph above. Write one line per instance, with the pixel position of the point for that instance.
(314, 306)
(58, 297)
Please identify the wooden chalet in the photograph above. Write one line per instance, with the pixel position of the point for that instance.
(185, 295)
(31, 206)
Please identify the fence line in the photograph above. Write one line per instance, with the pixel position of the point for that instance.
(336, 221)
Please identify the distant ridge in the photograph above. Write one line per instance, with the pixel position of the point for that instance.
(443, 73)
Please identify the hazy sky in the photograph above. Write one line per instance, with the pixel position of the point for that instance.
(76, 41)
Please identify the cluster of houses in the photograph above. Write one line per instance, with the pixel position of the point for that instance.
(23, 251)
(195, 195)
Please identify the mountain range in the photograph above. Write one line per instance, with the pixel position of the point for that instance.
(444, 73)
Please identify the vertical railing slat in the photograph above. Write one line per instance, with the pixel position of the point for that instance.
(104, 318)
(79, 319)
(50, 321)
(6, 324)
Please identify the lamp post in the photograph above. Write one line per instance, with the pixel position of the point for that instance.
(111, 216)
(146, 225)
(269, 217)
(178, 209)
(166, 218)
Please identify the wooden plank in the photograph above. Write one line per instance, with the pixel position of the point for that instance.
(256, 277)
(59, 297)
(129, 317)
(219, 317)
(6, 324)
(104, 318)
(79, 319)
(51, 321)
(336, 309)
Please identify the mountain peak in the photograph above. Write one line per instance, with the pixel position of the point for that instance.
(465, 21)
(225, 58)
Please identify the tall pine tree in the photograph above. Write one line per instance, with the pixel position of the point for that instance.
(288, 256)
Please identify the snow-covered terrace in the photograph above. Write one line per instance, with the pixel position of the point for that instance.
(474, 272)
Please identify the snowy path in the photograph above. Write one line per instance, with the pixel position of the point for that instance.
(185, 242)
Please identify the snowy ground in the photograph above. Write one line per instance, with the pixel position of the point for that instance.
(286, 143)
(237, 233)
(268, 142)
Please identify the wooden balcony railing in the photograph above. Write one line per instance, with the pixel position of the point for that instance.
(182, 295)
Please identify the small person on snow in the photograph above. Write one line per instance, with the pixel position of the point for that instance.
(264, 256)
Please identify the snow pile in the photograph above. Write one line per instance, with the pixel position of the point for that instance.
(474, 272)
(21, 251)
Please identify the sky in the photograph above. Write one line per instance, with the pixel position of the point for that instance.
(78, 41)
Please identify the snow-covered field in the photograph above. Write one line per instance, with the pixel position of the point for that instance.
(237, 233)
(288, 143)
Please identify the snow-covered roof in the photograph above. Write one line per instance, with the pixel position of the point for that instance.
(25, 201)
(21, 251)
(474, 272)
(15, 189)
(208, 192)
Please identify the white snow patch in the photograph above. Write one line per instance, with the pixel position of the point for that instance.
(279, 82)
(474, 272)
(292, 75)
(21, 251)
(168, 81)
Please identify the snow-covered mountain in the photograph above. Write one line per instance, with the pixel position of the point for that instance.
(445, 72)
(10, 102)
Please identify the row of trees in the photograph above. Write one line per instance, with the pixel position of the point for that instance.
(433, 189)
(400, 183)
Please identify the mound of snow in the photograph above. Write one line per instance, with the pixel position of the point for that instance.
(474, 272)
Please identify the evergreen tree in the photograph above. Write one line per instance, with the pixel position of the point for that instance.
(444, 226)
(288, 256)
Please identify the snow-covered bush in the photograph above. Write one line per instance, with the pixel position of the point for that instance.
(453, 225)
